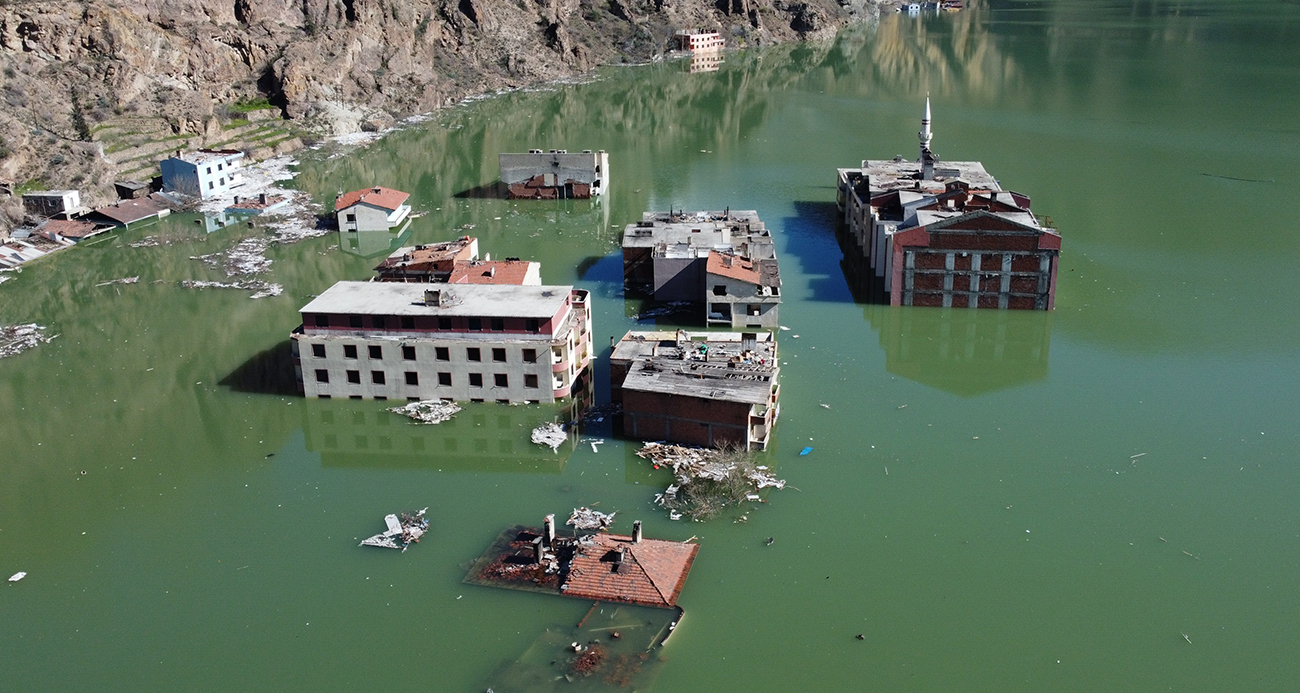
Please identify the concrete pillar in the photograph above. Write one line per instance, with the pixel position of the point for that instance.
(548, 531)
(636, 532)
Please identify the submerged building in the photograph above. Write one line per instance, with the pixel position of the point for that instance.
(202, 174)
(697, 388)
(946, 234)
(557, 174)
(372, 209)
(476, 342)
(456, 262)
(725, 261)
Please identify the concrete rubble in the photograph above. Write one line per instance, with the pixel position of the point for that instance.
(403, 530)
(15, 339)
(591, 520)
(259, 288)
(551, 435)
(428, 411)
(707, 480)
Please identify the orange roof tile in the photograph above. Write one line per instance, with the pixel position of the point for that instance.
(653, 570)
(490, 272)
(69, 228)
(733, 266)
(378, 196)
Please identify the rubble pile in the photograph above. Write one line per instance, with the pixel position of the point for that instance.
(707, 480)
(431, 411)
(15, 339)
(259, 288)
(551, 435)
(590, 520)
(404, 529)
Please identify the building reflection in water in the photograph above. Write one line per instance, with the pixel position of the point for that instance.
(705, 62)
(481, 438)
(373, 244)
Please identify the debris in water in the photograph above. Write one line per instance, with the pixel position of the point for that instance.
(402, 531)
(588, 519)
(805, 451)
(17, 576)
(259, 288)
(825, 406)
(1189, 640)
(707, 479)
(123, 280)
(669, 308)
(429, 411)
(599, 414)
(551, 435)
(15, 339)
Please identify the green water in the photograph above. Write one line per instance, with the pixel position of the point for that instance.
(995, 501)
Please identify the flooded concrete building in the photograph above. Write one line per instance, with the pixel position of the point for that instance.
(60, 204)
(946, 234)
(697, 388)
(456, 262)
(556, 174)
(472, 342)
(372, 209)
(725, 261)
(204, 173)
(699, 40)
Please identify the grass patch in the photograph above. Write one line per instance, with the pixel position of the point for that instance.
(258, 104)
(236, 123)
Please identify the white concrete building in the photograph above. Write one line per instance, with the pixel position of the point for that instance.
(464, 342)
(555, 174)
(204, 173)
(372, 209)
(740, 292)
(52, 203)
(698, 40)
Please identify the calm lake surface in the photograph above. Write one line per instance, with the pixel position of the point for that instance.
(995, 501)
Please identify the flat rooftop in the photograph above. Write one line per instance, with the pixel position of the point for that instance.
(468, 300)
(205, 155)
(711, 229)
(892, 174)
(707, 365)
(425, 256)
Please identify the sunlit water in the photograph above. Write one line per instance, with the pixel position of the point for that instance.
(1102, 498)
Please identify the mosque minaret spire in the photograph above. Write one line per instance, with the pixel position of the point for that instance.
(925, 135)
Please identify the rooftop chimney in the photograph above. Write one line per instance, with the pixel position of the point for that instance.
(377, 189)
(262, 198)
(548, 530)
(433, 297)
(636, 532)
(539, 551)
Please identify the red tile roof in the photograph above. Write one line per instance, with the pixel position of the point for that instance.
(131, 211)
(733, 266)
(378, 196)
(433, 257)
(69, 228)
(490, 272)
(652, 573)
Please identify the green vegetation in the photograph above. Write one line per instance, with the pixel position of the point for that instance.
(79, 119)
(235, 123)
(260, 103)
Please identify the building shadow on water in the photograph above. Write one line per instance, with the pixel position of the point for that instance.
(812, 240)
(496, 190)
(964, 351)
(268, 372)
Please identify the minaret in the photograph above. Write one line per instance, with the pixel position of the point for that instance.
(925, 135)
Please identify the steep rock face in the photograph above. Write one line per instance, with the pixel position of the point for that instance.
(340, 63)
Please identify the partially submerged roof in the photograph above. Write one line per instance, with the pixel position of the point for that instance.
(720, 229)
(476, 300)
(430, 257)
(70, 228)
(894, 174)
(493, 272)
(723, 366)
(130, 211)
(378, 196)
(740, 268)
(652, 571)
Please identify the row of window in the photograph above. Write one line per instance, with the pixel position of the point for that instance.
(407, 322)
(376, 352)
(413, 378)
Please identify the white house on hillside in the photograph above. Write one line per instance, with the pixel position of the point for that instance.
(372, 209)
(203, 174)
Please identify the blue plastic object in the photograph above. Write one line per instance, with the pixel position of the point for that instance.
(804, 451)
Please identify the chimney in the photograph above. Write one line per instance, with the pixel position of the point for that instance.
(492, 272)
(618, 557)
(548, 530)
(539, 552)
(433, 297)
(377, 189)
(748, 341)
(262, 198)
(636, 532)
(236, 199)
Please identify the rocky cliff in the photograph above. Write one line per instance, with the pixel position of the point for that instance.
(182, 68)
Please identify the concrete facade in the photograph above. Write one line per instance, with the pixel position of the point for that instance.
(202, 174)
(698, 40)
(556, 173)
(741, 293)
(697, 388)
(51, 203)
(382, 340)
(946, 234)
(372, 209)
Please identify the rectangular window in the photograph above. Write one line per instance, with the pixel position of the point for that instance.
(408, 322)
(218, 167)
(754, 309)
(352, 218)
(210, 186)
(377, 377)
(533, 325)
(376, 352)
(209, 171)
(476, 380)
(501, 380)
(498, 325)
(322, 375)
(377, 322)
(476, 324)
(530, 356)
(221, 181)
(444, 323)
(444, 379)
(318, 350)
(442, 353)
(408, 353)
(349, 351)
(412, 378)
(499, 355)
(530, 381)
(354, 377)
(355, 321)
(473, 354)
(719, 290)
(322, 321)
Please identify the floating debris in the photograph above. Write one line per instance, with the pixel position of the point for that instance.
(403, 530)
(670, 308)
(123, 280)
(15, 339)
(599, 414)
(591, 520)
(707, 480)
(805, 451)
(17, 576)
(429, 411)
(551, 435)
(259, 288)
(247, 257)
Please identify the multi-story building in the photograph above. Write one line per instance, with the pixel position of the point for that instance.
(204, 173)
(947, 234)
(475, 342)
(697, 388)
(372, 209)
(699, 40)
(431, 262)
(556, 174)
(725, 261)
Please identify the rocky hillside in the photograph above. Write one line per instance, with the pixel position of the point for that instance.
(182, 72)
